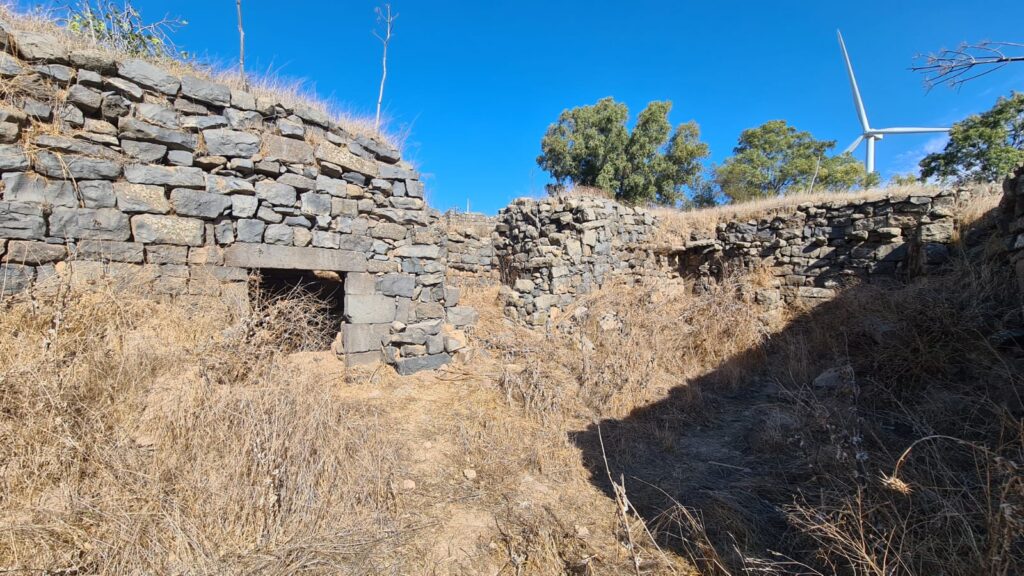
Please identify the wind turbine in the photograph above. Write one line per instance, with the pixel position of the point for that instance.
(872, 134)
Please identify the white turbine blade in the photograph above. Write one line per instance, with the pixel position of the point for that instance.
(861, 114)
(908, 130)
(853, 146)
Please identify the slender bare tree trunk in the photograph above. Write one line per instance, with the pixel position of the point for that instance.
(387, 19)
(241, 46)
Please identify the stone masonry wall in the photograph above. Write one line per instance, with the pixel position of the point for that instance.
(1011, 222)
(820, 247)
(551, 250)
(115, 167)
(470, 249)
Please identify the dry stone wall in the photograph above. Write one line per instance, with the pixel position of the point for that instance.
(820, 247)
(470, 247)
(550, 251)
(118, 167)
(1011, 222)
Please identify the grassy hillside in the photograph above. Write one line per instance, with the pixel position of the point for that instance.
(653, 431)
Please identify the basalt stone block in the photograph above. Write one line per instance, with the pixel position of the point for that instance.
(9, 67)
(369, 308)
(89, 224)
(231, 143)
(203, 122)
(356, 338)
(276, 193)
(249, 230)
(33, 46)
(85, 98)
(243, 100)
(34, 253)
(13, 157)
(315, 204)
(178, 177)
(76, 167)
(155, 229)
(114, 106)
(389, 231)
(180, 158)
(136, 198)
(157, 114)
(228, 185)
(243, 206)
(157, 254)
(131, 252)
(243, 119)
(312, 115)
(279, 234)
(26, 187)
(97, 194)
(149, 76)
(419, 251)
(297, 182)
(406, 366)
(267, 214)
(293, 258)
(134, 129)
(287, 150)
(15, 278)
(345, 159)
(129, 90)
(398, 285)
(201, 204)
(205, 91)
(94, 60)
(144, 151)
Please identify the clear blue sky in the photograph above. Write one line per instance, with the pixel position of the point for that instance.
(475, 84)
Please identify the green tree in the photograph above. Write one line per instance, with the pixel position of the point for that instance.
(983, 147)
(591, 146)
(903, 179)
(775, 158)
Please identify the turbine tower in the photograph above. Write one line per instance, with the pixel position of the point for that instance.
(872, 134)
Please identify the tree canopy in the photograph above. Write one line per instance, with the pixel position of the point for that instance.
(591, 146)
(776, 158)
(983, 147)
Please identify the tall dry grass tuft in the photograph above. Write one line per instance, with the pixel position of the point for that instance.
(924, 474)
(140, 436)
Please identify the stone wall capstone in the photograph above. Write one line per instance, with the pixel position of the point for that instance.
(113, 167)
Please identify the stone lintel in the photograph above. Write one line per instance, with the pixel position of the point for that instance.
(293, 258)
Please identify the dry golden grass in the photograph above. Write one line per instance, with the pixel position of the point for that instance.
(288, 92)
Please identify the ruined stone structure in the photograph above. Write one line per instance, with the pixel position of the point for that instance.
(820, 247)
(551, 250)
(114, 167)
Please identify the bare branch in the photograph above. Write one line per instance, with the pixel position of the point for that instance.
(241, 46)
(387, 19)
(954, 66)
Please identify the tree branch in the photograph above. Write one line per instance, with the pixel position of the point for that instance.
(954, 67)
